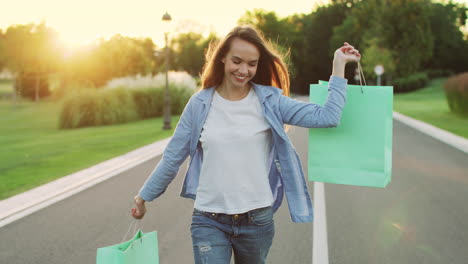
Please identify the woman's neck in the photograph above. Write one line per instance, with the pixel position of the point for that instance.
(233, 93)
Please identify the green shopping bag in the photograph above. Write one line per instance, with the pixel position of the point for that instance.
(359, 150)
(141, 249)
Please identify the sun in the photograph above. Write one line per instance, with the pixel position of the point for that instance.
(71, 42)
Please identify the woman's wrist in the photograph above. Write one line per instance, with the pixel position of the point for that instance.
(338, 68)
(139, 200)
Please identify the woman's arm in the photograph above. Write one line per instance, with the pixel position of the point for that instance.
(312, 115)
(174, 155)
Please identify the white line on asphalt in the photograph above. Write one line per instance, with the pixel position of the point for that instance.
(319, 239)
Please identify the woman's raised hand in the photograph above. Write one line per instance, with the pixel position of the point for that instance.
(347, 53)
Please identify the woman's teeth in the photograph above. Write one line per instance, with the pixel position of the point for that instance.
(240, 77)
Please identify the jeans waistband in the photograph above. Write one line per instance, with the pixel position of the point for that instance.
(232, 217)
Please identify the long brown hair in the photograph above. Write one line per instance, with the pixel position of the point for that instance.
(271, 69)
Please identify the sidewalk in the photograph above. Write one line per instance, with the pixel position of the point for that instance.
(26, 203)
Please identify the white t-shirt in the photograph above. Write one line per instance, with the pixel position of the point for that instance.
(236, 141)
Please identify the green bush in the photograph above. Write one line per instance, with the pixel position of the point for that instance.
(150, 101)
(410, 83)
(456, 91)
(94, 108)
(61, 88)
(179, 98)
(437, 73)
(91, 107)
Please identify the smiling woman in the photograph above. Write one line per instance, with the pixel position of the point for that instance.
(242, 163)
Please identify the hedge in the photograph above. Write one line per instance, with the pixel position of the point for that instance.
(410, 83)
(456, 91)
(93, 107)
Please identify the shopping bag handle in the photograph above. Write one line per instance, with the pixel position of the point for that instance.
(135, 223)
(361, 73)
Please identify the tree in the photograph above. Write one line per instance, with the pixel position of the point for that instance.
(189, 52)
(285, 35)
(2, 51)
(400, 26)
(277, 30)
(117, 57)
(450, 49)
(376, 55)
(317, 53)
(32, 53)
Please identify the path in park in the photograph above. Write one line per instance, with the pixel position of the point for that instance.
(419, 218)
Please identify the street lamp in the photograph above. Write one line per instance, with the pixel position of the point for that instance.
(167, 107)
(379, 70)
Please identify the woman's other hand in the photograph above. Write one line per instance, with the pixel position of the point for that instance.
(140, 209)
(347, 53)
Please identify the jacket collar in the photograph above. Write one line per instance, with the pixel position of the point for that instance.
(262, 93)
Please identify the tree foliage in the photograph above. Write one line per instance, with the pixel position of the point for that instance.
(31, 48)
(190, 49)
(116, 57)
(399, 26)
(405, 36)
(450, 49)
(31, 51)
(2, 51)
(374, 55)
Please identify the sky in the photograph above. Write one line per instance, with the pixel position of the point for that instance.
(83, 21)
(80, 22)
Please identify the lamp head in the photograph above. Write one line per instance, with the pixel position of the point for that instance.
(166, 17)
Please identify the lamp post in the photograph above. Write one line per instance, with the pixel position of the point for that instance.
(379, 70)
(167, 107)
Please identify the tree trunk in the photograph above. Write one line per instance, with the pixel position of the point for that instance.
(37, 87)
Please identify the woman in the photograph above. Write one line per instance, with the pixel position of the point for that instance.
(242, 161)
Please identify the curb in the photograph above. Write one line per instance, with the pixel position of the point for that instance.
(21, 205)
(437, 133)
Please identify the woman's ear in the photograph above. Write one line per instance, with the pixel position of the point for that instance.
(223, 60)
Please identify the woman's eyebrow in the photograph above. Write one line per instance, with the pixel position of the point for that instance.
(238, 58)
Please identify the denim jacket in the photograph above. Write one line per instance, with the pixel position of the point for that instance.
(286, 174)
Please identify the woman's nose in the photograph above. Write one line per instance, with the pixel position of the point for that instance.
(243, 69)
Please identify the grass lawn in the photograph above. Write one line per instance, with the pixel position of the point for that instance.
(34, 151)
(430, 105)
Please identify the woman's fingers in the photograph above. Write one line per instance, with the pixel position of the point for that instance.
(138, 214)
(349, 52)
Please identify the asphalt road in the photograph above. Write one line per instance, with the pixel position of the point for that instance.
(421, 217)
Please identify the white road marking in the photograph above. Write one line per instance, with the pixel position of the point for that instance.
(320, 237)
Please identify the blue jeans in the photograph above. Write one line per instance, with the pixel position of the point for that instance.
(216, 236)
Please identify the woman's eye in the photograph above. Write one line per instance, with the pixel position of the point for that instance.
(236, 62)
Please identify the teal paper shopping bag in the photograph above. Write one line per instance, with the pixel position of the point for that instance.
(141, 249)
(359, 150)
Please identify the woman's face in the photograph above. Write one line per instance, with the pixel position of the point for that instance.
(240, 63)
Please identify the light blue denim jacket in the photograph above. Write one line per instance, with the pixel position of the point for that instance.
(286, 175)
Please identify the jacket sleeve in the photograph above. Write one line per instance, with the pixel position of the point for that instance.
(310, 115)
(174, 155)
